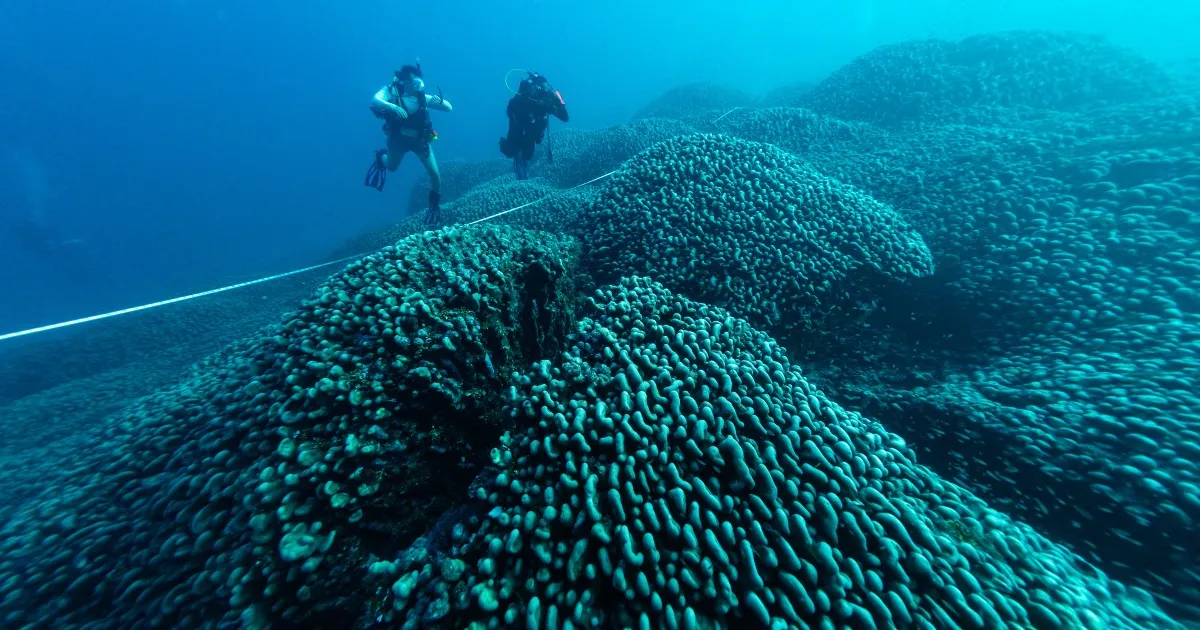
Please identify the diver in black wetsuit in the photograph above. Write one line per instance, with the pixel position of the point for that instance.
(529, 114)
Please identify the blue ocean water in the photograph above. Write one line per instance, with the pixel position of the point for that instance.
(191, 144)
(875, 314)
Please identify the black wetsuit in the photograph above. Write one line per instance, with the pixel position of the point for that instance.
(528, 116)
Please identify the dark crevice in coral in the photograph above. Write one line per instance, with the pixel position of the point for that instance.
(536, 311)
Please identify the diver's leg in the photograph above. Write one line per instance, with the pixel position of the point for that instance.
(508, 146)
(395, 151)
(526, 157)
(431, 167)
(429, 160)
(434, 214)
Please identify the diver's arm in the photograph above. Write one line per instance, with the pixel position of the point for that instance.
(435, 101)
(380, 104)
(554, 104)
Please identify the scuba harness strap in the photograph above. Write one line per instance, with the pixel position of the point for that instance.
(419, 119)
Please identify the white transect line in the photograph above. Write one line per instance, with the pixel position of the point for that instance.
(557, 192)
(184, 298)
(721, 116)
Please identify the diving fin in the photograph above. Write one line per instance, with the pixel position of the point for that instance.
(433, 215)
(377, 173)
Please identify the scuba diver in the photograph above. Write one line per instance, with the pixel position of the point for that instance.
(404, 107)
(528, 118)
(43, 242)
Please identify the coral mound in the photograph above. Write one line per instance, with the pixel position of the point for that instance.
(746, 226)
(694, 99)
(937, 81)
(698, 398)
(259, 485)
(673, 470)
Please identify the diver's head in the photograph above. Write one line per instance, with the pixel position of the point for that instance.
(409, 77)
(533, 84)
